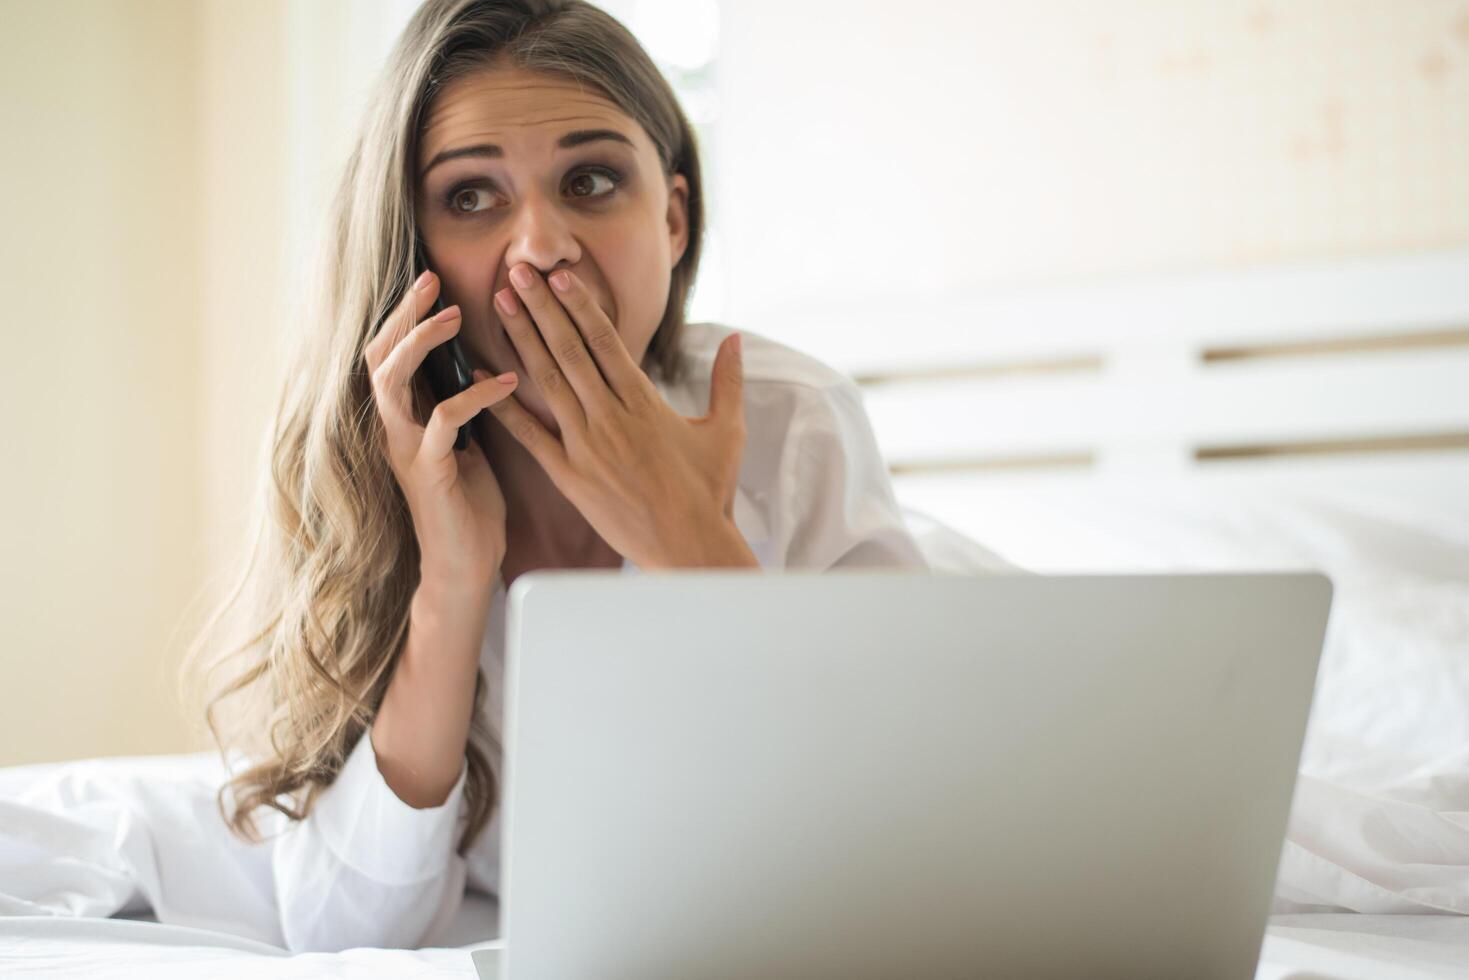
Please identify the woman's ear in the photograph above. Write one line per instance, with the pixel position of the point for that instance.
(678, 217)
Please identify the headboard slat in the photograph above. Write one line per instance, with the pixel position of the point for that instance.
(1364, 344)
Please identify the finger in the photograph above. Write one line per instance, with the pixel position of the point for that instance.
(451, 413)
(599, 334)
(727, 382)
(539, 364)
(392, 382)
(530, 433)
(561, 337)
(412, 308)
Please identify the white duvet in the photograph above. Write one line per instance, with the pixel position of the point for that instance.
(1321, 946)
(1380, 821)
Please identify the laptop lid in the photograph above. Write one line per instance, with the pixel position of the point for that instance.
(871, 773)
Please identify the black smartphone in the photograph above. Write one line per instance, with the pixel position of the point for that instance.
(446, 366)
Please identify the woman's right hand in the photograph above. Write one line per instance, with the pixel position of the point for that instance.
(457, 507)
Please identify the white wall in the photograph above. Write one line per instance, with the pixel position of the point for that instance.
(933, 148)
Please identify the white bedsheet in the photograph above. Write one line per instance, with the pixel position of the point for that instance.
(1348, 946)
(1325, 946)
(45, 947)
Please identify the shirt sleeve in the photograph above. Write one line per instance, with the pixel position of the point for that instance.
(843, 510)
(366, 869)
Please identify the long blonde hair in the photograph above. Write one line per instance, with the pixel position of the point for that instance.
(321, 606)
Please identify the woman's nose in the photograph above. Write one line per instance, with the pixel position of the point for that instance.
(541, 235)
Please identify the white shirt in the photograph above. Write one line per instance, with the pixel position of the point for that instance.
(366, 869)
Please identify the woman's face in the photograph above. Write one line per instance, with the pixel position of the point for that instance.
(516, 166)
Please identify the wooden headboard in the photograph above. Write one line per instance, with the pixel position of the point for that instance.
(1362, 362)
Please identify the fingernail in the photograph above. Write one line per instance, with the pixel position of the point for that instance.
(521, 276)
(480, 374)
(508, 378)
(447, 313)
(423, 280)
(736, 345)
(560, 281)
(505, 300)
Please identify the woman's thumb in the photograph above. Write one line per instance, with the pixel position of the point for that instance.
(727, 382)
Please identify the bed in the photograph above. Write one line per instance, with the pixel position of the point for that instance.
(1315, 946)
(1315, 417)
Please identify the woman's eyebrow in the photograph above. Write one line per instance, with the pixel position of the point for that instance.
(491, 150)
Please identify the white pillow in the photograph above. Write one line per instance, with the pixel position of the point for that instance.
(949, 550)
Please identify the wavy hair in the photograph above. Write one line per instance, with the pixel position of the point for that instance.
(292, 666)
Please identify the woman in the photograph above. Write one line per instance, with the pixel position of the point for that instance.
(554, 182)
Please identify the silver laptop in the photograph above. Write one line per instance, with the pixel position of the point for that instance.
(883, 774)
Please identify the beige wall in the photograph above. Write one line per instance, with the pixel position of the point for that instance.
(164, 171)
(142, 191)
(243, 263)
(100, 506)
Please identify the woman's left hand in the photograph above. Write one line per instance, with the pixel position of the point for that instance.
(658, 487)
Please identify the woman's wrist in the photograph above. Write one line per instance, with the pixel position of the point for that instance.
(718, 544)
(453, 615)
(423, 723)
(455, 588)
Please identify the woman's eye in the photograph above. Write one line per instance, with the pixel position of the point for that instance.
(465, 200)
(585, 184)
